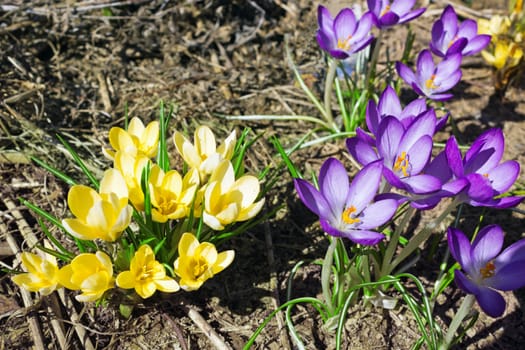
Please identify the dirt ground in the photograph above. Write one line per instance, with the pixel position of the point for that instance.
(73, 68)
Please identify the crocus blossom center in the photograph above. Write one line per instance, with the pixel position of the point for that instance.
(452, 41)
(430, 82)
(347, 215)
(402, 163)
(344, 44)
(200, 266)
(488, 270)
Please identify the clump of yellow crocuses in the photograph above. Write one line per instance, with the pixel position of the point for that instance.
(138, 230)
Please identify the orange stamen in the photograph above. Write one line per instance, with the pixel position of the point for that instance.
(488, 270)
(402, 163)
(387, 8)
(430, 82)
(346, 216)
(344, 44)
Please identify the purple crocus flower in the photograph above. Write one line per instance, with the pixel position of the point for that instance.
(405, 152)
(344, 35)
(346, 209)
(388, 13)
(449, 37)
(389, 105)
(481, 167)
(432, 80)
(487, 271)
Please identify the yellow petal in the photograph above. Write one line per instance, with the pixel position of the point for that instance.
(167, 285)
(80, 199)
(64, 277)
(249, 187)
(212, 221)
(31, 262)
(150, 139)
(250, 211)
(190, 285)
(207, 251)
(113, 182)
(188, 244)
(224, 259)
(79, 229)
(228, 214)
(145, 290)
(227, 147)
(126, 280)
(204, 141)
(136, 127)
(186, 150)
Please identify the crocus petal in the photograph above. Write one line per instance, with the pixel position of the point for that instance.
(491, 302)
(334, 183)
(372, 116)
(187, 245)
(376, 214)
(126, 280)
(485, 152)
(361, 151)
(401, 7)
(459, 246)
(312, 198)
(514, 252)
(465, 283)
(479, 189)
(509, 276)
(476, 44)
(364, 237)
(418, 154)
(81, 199)
(364, 186)
(454, 157)
(389, 103)
(405, 73)
(167, 285)
(504, 175)
(425, 64)
(389, 136)
(345, 24)
(388, 19)
(421, 184)
(224, 259)
(486, 246)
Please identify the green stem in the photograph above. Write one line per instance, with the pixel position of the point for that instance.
(328, 87)
(419, 238)
(394, 240)
(463, 311)
(371, 72)
(325, 274)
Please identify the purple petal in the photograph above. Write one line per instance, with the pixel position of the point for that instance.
(332, 231)
(454, 157)
(491, 302)
(345, 24)
(411, 15)
(465, 283)
(364, 186)
(479, 188)
(419, 154)
(364, 26)
(365, 137)
(393, 179)
(324, 18)
(457, 46)
(437, 35)
(476, 44)
(359, 45)
(454, 187)
(439, 97)
(509, 276)
(439, 168)
(389, 136)
(424, 125)
(334, 184)
(504, 203)
(468, 29)
(313, 200)
(514, 252)
(459, 246)
(339, 54)
(325, 41)
(362, 152)
(442, 122)
(402, 7)
(504, 175)
(389, 103)
(372, 116)
(486, 246)
(388, 19)
(425, 65)
(405, 73)
(364, 237)
(485, 152)
(450, 19)
(421, 184)
(378, 213)
(445, 83)
(414, 108)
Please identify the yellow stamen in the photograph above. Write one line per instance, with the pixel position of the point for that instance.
(430, 82)
(344, 44)
(402, 163)
(387, 8)
(347, 215)
(488, 270)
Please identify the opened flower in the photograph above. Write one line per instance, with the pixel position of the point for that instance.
(99, 215)
(487, 177)
(486, 270)
(41, 275)
(204, 155)
(344, 35)
(496, 25)
(388, 13)
(506, 54)
(432, 80)
(138, 139)
(198, 262)
(146, 275)
(405, 152)
(227, 200)
(171, 195)
(344, 209)
(92, 274)
(449, 37)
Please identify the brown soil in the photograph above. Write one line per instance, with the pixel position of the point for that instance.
(73, 69)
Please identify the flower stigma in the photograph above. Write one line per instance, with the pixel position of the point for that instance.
(402, 163)
(488, 270)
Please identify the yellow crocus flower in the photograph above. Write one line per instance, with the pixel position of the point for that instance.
(496, 25)
(171, 195)
(131, 168)
(92, 274)
(505, 55)
(227, 200)
(198, 262)
(41, 276)
(138, 139)
(204, 155)
(146, 275)
(102, 215)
